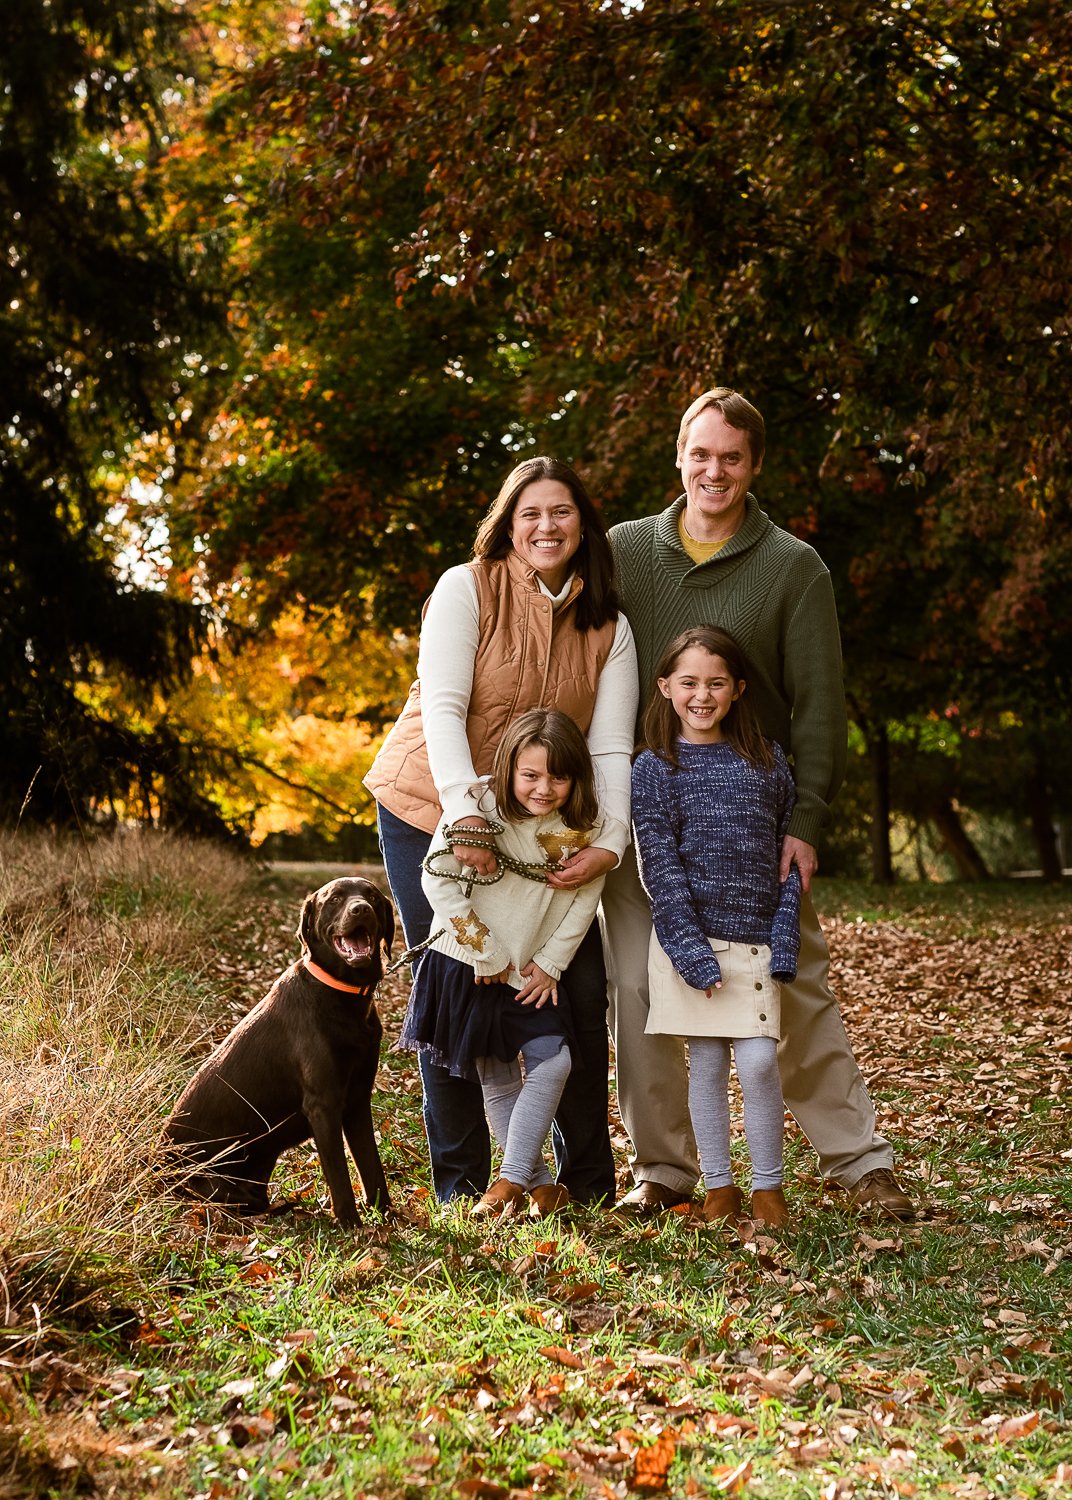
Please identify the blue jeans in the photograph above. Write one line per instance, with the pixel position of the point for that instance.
(458, 1141)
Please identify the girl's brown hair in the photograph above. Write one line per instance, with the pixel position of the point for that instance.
(567, 755)
(661, 728)
(598, 600)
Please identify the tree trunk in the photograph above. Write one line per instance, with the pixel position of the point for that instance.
(954, 840)
(1040, 807)
(878, 755)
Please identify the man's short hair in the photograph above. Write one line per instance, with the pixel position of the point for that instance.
(736, 411)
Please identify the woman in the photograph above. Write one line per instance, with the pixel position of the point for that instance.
(531, 622)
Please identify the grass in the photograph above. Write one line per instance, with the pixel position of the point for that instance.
(149, 1348)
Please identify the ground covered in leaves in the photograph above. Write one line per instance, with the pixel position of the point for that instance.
(426, 1355)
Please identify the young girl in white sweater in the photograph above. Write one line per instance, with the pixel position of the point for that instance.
(488, 988)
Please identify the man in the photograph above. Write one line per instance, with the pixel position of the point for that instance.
(713, 557)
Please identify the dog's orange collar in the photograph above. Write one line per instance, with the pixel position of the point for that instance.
(336, 984)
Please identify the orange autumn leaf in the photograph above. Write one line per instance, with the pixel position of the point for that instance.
(577, 1291)
(563, 1356)
(651, 1464)
(1018, 1427)
(258, 1270)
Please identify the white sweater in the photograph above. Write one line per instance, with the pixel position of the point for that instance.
(449, 639)
(516, 920)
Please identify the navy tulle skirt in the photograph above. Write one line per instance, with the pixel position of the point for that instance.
(454, 1020)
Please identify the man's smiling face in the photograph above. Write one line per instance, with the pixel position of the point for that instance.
(717, 470)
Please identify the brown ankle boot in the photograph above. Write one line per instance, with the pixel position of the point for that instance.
(550, 1198)
(501, 1201)
(769, 1207)
(721, 1204)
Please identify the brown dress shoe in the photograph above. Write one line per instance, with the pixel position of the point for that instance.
(880, 1189)
(551, 1198)
(501, 1201)
(769, 1207)
(649, 1198)
(721, 1204)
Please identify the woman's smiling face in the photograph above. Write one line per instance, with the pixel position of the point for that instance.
(545, 530)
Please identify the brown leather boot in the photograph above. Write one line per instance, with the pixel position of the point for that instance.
(501, 1201)
(549, 1198)
(769, 1207)
(880, 1189)
(721, 1204)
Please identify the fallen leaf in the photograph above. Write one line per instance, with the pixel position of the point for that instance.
(651, 1464)
(1017, 1427)
(731, 1481)
(563, 1356)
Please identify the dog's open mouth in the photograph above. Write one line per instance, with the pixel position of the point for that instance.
(353, 947)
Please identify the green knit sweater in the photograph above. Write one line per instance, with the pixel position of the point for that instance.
(772, 593)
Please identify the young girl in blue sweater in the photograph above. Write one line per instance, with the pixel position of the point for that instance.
(711, 805)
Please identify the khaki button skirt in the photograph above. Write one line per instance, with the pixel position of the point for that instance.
(748, 1004)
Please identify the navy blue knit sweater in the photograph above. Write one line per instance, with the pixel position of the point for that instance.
(708, 838)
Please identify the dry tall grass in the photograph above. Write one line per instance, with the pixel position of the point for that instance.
(102, 949)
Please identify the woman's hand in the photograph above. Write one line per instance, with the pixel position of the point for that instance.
(483, 861)
(538, 988)
(493, 978)
(580, 868)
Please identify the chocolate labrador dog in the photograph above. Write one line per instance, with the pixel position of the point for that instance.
(302, 1063)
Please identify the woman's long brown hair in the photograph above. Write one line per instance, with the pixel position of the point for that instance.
(598, 600)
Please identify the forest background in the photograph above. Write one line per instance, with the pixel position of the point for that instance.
(288, 288)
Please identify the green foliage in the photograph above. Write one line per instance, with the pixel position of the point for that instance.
(98, 310)
(451, 233)
(461, 229)
(362, 437)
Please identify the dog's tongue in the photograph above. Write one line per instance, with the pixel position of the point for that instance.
(354, 949)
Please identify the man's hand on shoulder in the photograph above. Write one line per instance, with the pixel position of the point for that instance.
(804, 856)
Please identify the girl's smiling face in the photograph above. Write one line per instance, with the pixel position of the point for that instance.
(702, 692)
(533, 785)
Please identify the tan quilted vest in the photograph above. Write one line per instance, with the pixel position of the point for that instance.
(529, 656)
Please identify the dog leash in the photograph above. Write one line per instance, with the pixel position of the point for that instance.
(479, 838)
(471, 838)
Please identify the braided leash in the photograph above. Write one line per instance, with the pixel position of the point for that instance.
(471, 838)
(479, 838)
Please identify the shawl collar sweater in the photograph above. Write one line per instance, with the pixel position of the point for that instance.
(773, 594)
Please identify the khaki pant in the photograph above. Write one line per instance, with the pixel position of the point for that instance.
(823, 1087)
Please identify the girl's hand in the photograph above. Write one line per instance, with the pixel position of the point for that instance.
(580, 868)
(538, 988)
(711, 987)
(493, 978)
(482, 861)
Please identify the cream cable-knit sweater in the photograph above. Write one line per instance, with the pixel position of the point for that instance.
(516, 920)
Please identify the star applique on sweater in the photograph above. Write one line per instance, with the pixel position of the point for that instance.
(470, 932)
(558, 844)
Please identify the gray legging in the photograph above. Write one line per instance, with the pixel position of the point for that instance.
(764, 1112)
(520, 1111)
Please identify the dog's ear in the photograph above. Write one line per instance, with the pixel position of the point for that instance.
(307, 923)
(387, 920)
